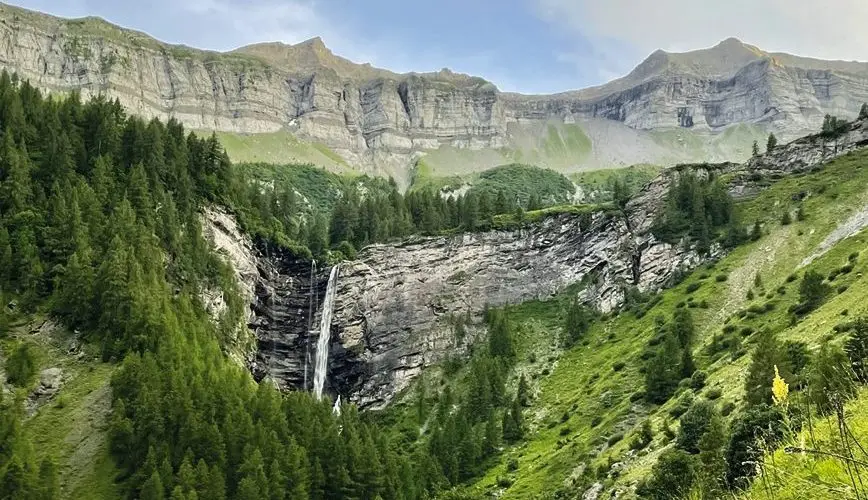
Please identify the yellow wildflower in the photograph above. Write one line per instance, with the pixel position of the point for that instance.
(780, 389)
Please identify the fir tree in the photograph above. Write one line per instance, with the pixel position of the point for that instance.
(771, 143)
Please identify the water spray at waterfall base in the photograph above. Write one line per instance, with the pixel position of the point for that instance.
(322, 344)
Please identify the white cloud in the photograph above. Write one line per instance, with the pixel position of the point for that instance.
(834, 29)
(289, 21)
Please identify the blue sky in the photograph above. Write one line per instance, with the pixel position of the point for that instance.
(533, 46)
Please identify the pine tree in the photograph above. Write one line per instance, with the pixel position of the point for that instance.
(863, 112)
(766, 356)
(523, 395)
(786, 220)
(755, 149)
(772, 143)
(812, 291)
(832, 381)
(663, 371)
(500, 343)
(577, 323)
(856, 348)
(153, 488)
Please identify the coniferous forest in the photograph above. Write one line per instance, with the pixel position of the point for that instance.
(99, 226)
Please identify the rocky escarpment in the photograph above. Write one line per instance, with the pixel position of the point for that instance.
(381, 121)
(394, 304)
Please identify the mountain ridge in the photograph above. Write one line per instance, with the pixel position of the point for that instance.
(672, 108)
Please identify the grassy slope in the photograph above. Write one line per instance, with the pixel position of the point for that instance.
(70, 428)
(583, 385)
(279, 148)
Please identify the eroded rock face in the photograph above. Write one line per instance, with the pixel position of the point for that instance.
(393, 305)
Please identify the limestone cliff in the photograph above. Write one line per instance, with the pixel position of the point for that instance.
(381, 121)
(395, 303)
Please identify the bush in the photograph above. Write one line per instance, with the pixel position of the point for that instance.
(694, 423)
(853, 257)
(347, 249)
(504, 482)
(684, 403)
(792, 277)
(697, 381)
(713, 394)
(512, 465)
(637, 396)
(730, 328)
(596, 420)
(671, 477)
(615, 438)
(642, 437)
(842, 289)
(747, 331)
(720, 278)
(565, 431)
(21, 365)
(727, 408)
(782, 290)
(692, 287)
(618, 366)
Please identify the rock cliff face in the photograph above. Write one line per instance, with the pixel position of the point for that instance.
(381, 121)
(394, 304)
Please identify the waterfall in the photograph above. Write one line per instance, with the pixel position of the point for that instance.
(310, 311)
(325, 334)
(336, 409)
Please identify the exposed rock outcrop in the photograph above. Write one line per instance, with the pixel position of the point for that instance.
(394, 304)
(381, 121)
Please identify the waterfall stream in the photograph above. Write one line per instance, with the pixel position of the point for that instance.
(325, 334)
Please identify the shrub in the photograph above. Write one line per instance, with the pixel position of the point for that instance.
(730, 328)
(853, 257)
(683, 404)
(618, 366)
(504, 482)
(512, 465)
(642, 437)
(842, 289)
(782, 290)
(692, 287)
(727, 408)
(747, 331)
(756, 309)
(637, 396)
(565, 430)
(750, 295)
(846, 269)
(713, 394)
(694, 423)
(792, 277)
(697, 380)
(21, 365)
(596, 420)
(615, 438)
(720, 278)
(671, 477)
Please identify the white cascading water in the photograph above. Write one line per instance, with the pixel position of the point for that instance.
(311, 309)
(325, 335)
